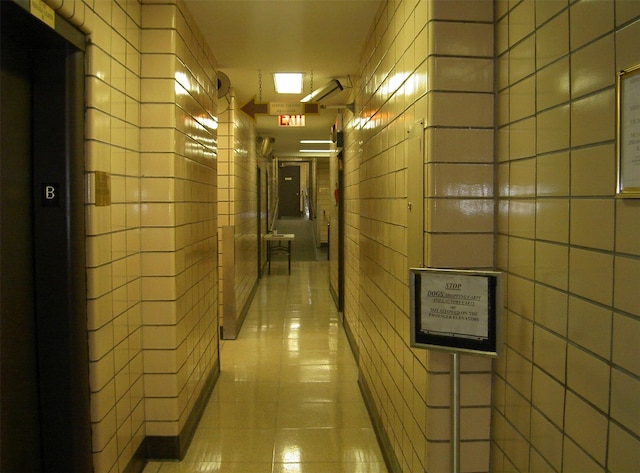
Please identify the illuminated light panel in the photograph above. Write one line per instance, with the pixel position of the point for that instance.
(288, 82)
(316, 142)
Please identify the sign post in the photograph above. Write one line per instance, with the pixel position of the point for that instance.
(459, 311)
(455, 412)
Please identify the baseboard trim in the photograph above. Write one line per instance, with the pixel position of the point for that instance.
(383, 439)
(138, 461)
(351, 339)
(157, 447)
(237, 319)
(247, 306)
(334, 296)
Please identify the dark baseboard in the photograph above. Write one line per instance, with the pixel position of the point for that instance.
(247, 305)
(138, 462)
(162, 448)
(334, 296)
(174, 447)
(383, 439)
(351, 339)
(235, 327)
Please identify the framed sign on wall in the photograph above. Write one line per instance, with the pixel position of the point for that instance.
(456, 310)
(628, 132)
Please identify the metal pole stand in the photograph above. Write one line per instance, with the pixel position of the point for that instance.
(455, 413)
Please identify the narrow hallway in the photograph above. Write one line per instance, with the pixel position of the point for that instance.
(287, 400)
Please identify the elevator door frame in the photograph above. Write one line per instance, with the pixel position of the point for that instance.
(55, 71)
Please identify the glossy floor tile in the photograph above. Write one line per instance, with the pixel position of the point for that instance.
(287, 400)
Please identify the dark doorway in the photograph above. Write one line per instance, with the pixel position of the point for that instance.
(259, 217)
(44, 406)
(288, 191)
(341, 235)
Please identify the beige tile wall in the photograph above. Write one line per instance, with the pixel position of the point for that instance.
(324, 199)
(351, 201)
(151, 254)
(334, 234)
(114, 259)
(565, 393)
(238, 198)
(566, 398)
(429, 61)
(179, 286)
(459, 205)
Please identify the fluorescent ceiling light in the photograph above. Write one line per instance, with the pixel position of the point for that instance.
(323, 92)
(316, 142)
(315, 151)
(288, 82)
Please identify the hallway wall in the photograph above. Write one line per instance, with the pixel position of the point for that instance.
(114, 259)
(429, 61)
(564, 394)
(324, 200)
(179, 220)
(151, 251)
(238, 200)
(334, 233)
(567, 391)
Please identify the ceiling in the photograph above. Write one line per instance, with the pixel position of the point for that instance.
(252, 39)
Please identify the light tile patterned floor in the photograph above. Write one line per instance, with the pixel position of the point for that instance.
(287, 400)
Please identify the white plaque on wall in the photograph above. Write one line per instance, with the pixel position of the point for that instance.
(456, 310)
(628, 132)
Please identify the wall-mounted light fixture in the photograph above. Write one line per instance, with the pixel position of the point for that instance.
(323, 92)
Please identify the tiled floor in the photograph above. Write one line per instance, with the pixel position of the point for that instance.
(287, 400)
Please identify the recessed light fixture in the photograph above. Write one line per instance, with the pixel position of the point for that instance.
(319, 151)
(288, 82)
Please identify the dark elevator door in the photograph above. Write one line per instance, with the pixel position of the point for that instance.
(20, 411)
(44, 397)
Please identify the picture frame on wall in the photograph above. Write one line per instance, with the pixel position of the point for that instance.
(628, 132)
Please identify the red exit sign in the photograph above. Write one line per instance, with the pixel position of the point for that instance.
(291, 120)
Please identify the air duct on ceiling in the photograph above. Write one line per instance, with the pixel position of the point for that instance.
(223, 84)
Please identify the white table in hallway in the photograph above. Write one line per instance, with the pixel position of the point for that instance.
(279, 248)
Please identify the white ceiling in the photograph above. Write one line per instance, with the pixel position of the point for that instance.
(255, 38)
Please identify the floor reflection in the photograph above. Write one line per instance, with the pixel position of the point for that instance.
(287, 400)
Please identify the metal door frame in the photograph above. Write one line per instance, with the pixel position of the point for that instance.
(58, 236)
